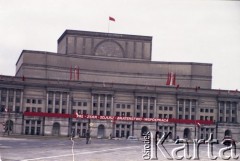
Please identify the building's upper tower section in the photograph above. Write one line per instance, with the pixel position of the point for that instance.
(98, 44)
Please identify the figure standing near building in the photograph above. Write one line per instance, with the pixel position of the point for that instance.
(87, 136)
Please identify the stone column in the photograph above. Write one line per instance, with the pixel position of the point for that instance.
(177, 110)
(68, 104)
(14, 100)
(190, 110)
(54, 99)
(7, 100)
(230, 119)
(98, 108)
(21, 101)
(135, 107)
(148, 107)
(237, 113)
(155, 108)
(105, 105)
(60, 102)
(112, 107)
(91, 108)
(141, 107)
(224, 113)
(184, 106)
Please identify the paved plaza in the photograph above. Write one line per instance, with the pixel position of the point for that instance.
(22, 148)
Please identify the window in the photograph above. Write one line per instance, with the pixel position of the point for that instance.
(151, 115)
(101, 104)
(39, 109)
(84, 103)
(186, 117)
(145, 107)
(38, 122)
(186, 109)
(206, 117)
(79, 112)
(138, 114)
(151, 107)
(39, 101)
(160, 116)
(108, 105)
(79, 103)
(123, 126)
(117, 113)
(94, 104)
(27, 121)
(221, 119)
(118, 105)
(211, 118)
(63, 111)
(165, 108)
(170, 116)
(170, 108)
(28, 100)
(180, 108)
(201, 110)
(211, 110)
(138, 107)
(108, 113)
(94, 112)
(17, 109)
(123, 113)
(201, 117)
(165, 116)
(193, 117)
(49, 102)
(123, 106)
(117, 125)
(17, 100)
(57, 102)
(128, 114)
(233, 119)
(56, 110)
(64, 102)
(180, 116)
(193, 109)
(101, 113)
(73, 111)
(128, 126)
(27, 109)
(49, 110)
(128, 106)
(33, 101)
(74, 103)
(84, 112)
(160, 107)
(227, 119)
(144, 115)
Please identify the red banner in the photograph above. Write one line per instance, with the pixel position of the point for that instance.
(117, 118)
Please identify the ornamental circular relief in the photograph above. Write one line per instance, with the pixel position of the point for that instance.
(109, 48)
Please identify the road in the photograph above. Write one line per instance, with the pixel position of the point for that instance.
(62, 149)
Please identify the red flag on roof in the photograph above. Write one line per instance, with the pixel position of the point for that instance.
(111, 19)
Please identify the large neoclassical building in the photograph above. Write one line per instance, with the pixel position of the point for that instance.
(108, 84)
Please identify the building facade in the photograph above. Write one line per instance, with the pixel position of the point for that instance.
(104, 74)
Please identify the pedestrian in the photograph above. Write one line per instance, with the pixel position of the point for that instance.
(87, 136)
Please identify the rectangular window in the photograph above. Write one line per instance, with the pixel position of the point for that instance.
(165, 108)
(165, 116)
(94, 112)
(138, 114)
(206, 117)
(63, 111)
(33, 101)
(49, 102)
(57, 102)
(186, 117)
(160, 107)
(108, 113)
(144, 115)
(151, 115)
(79, 112)
(101, 104)
(84, 103)
(233, 120)
(101, 113)
(138, 107)
(28, 101)
(17, 100)
(39, 109)
(17, 109)
(186, 109)
(180, 116)
(49, 110)
(117, 113)
(27, 109)
(170, 108)
(63, 102)
(33, 109)
(108, 105)
(128, 106)
(39, 101)
(123, 113)
(180, 108)
(193, 117)
(170, 116)
(118, 105)
(94, 104)
(84, 112)
(211, 118)
(160, 116)
(128, 114)
(193, 109)
(145, 107)
(201, 117)
(79, 103)
(221, 119)
(56, 110)
(123, 106)
(201, 110)
(211, 110)
(151, 107)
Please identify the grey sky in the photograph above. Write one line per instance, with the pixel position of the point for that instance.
(205, 31)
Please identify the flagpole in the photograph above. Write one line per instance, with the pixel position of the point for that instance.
(108, 25)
